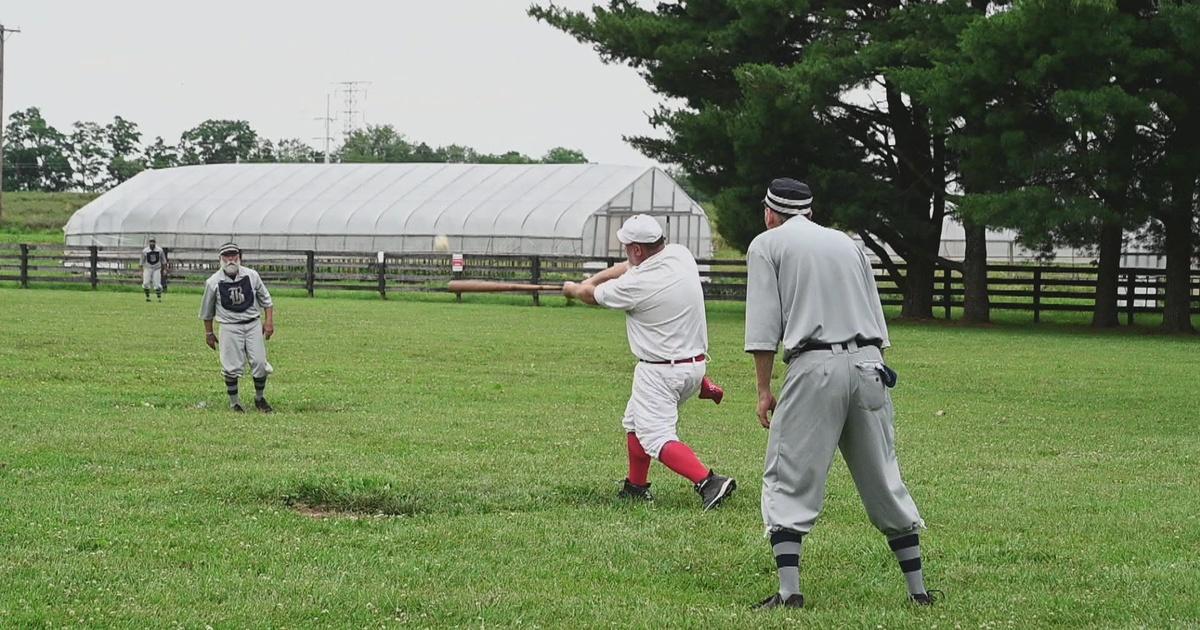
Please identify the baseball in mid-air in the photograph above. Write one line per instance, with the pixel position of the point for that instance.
(441, 243)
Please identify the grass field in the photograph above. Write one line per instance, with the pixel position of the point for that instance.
(37, 217)
(466, 458)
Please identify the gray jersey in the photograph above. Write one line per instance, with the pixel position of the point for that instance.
(809, 284)
(234, 300)
(152, 258)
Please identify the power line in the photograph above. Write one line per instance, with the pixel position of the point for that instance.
(328, 119)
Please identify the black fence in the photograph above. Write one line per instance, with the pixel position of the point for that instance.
(1030, 288)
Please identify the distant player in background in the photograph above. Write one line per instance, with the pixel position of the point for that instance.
(659, 290)
(154, 264)
(236, 297)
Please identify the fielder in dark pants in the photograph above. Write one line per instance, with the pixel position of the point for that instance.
(812, 290)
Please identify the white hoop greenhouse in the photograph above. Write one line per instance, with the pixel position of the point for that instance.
(568, 209)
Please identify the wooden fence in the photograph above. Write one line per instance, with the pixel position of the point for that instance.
(1030, 288)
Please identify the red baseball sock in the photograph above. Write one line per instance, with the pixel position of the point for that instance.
(639, 461)
(679, 458)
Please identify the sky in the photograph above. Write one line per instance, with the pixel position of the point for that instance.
(479, 73)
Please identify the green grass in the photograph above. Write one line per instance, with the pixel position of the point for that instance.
(473, 450)
(37, 217)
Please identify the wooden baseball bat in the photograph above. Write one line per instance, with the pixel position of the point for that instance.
(493, 286)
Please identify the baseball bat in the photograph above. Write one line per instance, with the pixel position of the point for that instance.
(492, 286)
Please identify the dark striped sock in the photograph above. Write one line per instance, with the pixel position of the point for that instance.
(786, 546)
(260, 385)
(231, 388)
(907, 549)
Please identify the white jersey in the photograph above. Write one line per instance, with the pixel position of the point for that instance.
(152, 258)
(664, 304)
(235, 300)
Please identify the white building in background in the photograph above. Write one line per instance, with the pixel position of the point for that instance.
(566, 209)
(1003, 248)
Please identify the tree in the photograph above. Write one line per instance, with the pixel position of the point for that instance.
(123, 140)
(1043, 123)
(217, 142)
(295, 150)
(161, 155)
(792, 88)
(563, 155)
(36, 155)
(376, 143)
(89, 155)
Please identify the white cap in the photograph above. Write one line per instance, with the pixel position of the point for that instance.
(640, 228)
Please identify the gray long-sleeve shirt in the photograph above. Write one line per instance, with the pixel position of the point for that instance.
(809, 284)
(234, 300)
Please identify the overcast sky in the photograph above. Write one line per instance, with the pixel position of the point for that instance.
(474, 72)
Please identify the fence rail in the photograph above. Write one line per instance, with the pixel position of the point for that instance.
(1030, 288)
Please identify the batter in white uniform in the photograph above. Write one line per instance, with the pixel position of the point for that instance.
(236, 297)
(812, 290)
(659, 290)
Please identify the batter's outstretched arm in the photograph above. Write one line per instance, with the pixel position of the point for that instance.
(581, 291)
(615, 271)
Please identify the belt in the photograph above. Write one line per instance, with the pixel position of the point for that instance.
(246, 321)
(696, 359)
(817, 345)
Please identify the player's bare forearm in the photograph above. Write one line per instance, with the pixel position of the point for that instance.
(611, 273)
(269, 322)
(210, 337)
(581, 291)
(764, 367)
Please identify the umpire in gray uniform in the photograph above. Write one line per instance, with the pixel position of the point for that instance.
(236, 297)
(812, 289)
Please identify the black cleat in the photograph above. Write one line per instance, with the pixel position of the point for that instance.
(237, 408)
(927, 598)
(795, 600)
(714, 489)
(262, 405)
(630, 490)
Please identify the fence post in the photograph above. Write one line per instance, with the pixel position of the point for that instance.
(946, 289)
(166, 268)
(536, 277)
(1130, 282)
(1037, 295)
(382, 275)
(24, 266)
(93, 260)
(310, 271)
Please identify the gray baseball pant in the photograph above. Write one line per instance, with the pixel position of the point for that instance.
(240, 343)
(834, 399)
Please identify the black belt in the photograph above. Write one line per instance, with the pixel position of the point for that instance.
(696, 359)
(246, 321)
(817, 345)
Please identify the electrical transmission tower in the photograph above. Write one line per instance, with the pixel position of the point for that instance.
(350, 91)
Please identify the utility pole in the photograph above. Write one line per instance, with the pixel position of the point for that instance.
(328, 119)
(3, 35)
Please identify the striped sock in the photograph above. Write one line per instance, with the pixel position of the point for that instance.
(908, 552)
(231, 388)
(260, 384)
(785, 544)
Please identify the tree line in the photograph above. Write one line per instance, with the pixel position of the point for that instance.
(93, 157)
(1072, 122)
